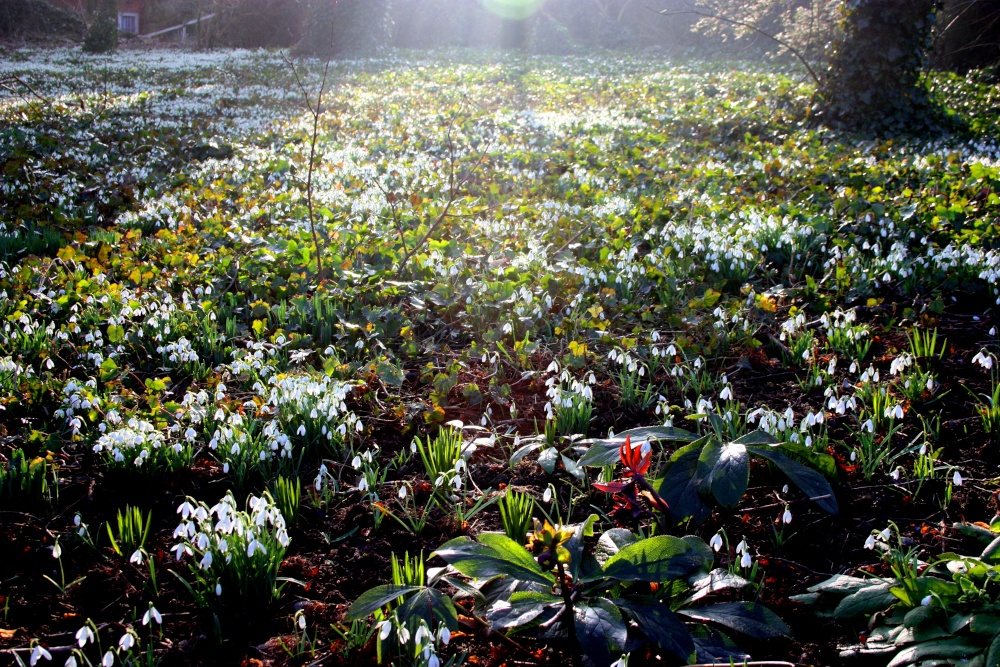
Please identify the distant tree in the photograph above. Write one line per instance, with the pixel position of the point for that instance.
(346, 27)
(865, 56)
(102, 26)
(873, 80)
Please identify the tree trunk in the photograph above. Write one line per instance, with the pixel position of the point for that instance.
(874, 77)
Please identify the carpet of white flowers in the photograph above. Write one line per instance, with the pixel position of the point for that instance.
(230, 330)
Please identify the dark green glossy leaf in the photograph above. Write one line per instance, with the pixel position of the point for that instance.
(481, 560)
(657, 559)
(748, 618)
(375, 598)
(811, 482)
(601, 631)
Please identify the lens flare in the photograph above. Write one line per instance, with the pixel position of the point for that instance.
(513, 9)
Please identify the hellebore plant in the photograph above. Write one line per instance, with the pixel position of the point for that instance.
(626, 592)
(627, 506)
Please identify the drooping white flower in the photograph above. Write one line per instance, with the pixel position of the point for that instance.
(745, 560)
(786, 518)
(108, 659)
(37, 653)
(152, 614)
(716, 542)
(956, 479)
(84, 635)
(127, 641)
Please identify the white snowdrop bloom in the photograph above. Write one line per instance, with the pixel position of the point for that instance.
(726, 394)
(152, 614)
(926, 601)
(715, 542)
(302, 622)
(620, 662)
(218, 590)
(402, 492)
(84, 635)
(70, 661)
(108, 659)
(363, 484)
(444, 635)
(136, 557)
(127, 641)
(870, 542)
(786, 518)
(404, 634)
(547, 496)
(984, 360)
(745, 560)
(37, 653)
(956, 479)
(56, 550)
(741, 547)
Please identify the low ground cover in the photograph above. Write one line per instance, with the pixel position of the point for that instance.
(522, 360)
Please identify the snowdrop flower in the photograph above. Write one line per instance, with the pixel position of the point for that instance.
(70, 661)
(153, 614)
(444, 635)
(136, 558)
(870, 542)
(385, 627)
(547, 496)
(127, 641)
(716, 542)
(745, 560)
(620, 662)
(108, 659)
(56, 550)
(404, 634)
(956, 479)
(218, 590)
(39, 652)
(895, 473)
(402, 492)
(786, 518)
(363, 484)
(784, 489)
(741, 548)
(302, 621)
(726, 394)
(84, 635)
(926, 601)
(984, 360)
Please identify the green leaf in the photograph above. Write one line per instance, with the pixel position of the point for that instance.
(706, 583)
(390, 374)
(679, 487)
(523, 451)
(604, 451)
(115, 333)
(611, 542)
(993, 653)
(601, 631)
(944, 648)
(661, 626)
(729, 474)
(375, 598)
(757, 437)
(481, 560)
(432, 606)
(869, 600)
(749, 618)
(548, 459)
(657, 559)
(812, 483)
(840, 584)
